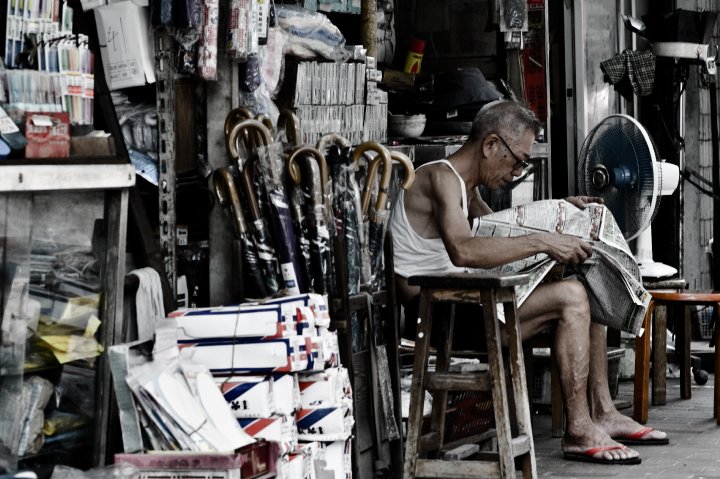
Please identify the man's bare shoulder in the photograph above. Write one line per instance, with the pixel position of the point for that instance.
(437, 180)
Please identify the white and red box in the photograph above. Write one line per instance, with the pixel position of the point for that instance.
(248, 356)
(286, 393)
(279, 429)
(316, 302)
(335, 458)
(248, 396)
(324, 424)
(47, 135)
(241, 321)
(330, 388)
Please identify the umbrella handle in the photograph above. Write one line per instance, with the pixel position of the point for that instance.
(241, 127)
(382, 155)
(318, 156)
(249, 188)
(267, 121)
(226, 192)
(236, 116)
(290, 124)
(404, 160)
(332, 139)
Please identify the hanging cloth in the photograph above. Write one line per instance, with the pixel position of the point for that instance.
(634, 67)
(148, 302)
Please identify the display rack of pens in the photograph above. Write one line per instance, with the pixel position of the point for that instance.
(48, 68)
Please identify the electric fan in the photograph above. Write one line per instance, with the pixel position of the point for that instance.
(618, 162)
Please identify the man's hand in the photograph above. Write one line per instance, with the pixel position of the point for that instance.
(565, 249)
(582, 201)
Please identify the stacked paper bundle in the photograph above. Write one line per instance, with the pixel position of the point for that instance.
(341, 98)
(277, 365)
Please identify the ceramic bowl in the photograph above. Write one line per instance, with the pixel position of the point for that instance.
(406, 126)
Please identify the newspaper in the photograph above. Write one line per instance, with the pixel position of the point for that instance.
(611, 275)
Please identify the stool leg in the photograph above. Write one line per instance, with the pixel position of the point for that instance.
(417, 392)
(556, 404)
(499, 389)
(716, 332)
(642, 370)
(684, 345)
(659, 352)
(522, 400)
(440, 398)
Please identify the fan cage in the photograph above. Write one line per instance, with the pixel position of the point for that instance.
(621, 144)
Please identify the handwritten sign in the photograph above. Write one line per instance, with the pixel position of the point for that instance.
(126, 46)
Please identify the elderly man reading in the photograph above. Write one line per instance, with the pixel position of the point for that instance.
(432, 234)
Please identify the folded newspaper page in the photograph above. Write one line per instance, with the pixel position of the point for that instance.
(611, 275)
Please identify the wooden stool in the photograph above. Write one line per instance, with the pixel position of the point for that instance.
(489, 290)
(682, 350)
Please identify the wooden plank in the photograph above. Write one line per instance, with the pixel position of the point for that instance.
(683, 340)
(716, 333)
(458, 381)
(642, 370)
(116, 207)
(659, 338)
(66, 177)
(468, 281)
(523, 444)
(499, 389)
(440, 397)
(474, 439)
(458, 469)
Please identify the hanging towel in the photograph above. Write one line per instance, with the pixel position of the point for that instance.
(635, 67)
(148, 302)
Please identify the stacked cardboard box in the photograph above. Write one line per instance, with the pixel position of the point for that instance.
(277, 365)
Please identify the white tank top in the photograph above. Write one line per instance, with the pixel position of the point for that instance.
(415, 255)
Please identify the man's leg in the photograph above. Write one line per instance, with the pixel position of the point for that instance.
(566, 302)
(602, 408)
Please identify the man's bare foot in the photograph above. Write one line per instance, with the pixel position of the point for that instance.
(627, 431)
(592, 444)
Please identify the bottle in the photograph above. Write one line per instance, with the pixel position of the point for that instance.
(414, 56)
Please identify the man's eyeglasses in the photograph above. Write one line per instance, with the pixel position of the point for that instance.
(518, 162)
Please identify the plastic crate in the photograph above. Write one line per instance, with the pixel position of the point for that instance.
(468, 413)
(705, 321)
(255, 460)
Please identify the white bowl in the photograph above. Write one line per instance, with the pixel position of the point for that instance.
(406, 126)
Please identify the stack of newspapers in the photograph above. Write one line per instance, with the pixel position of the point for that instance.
(611, 275)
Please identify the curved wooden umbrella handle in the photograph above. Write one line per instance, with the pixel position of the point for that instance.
(294, 170)
(227, 194)
(382, 155)
(332, 139)
(404, 160)
(290, 124)
(236, 116)
(238, 128)
(267, 121)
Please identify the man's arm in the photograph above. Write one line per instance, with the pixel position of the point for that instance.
(466, 250)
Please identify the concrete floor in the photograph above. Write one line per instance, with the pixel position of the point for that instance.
(693, 452)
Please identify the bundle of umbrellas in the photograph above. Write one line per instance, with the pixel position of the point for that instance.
(287, 201)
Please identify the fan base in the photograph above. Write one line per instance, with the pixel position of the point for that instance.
(653, 269)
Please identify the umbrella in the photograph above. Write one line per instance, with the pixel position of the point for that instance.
(320, 257)
(288, 132)
(227, 195)
(381, 212)
(267, 257)
(346, 202)
(367, 271)
(271, 168)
